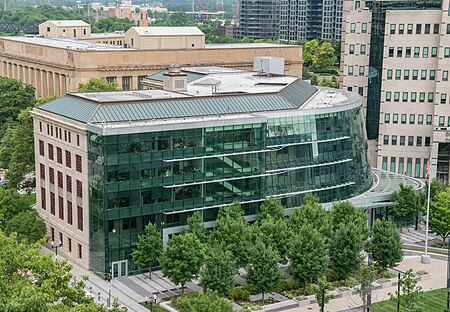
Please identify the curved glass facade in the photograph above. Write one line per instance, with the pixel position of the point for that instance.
(164, 176)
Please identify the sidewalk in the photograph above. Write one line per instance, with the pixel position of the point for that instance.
(438, 279)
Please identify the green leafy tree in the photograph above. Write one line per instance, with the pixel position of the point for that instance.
(274, 232)
(407, 204)
(11, 204)
(309, 52)
(324, 56)
(346, 250)
(14, 97)
(263, 272)
(322, 285)
(111, 24)
(440, 215)
(98, 85)
(330, 83)
(233, 233)
(219, 270)
(308, 255)
(410, 292)
(173, 19)
(182, 259)
(311, 213)
(149, 248)
(385, 244)
(271, 207)
(365, 277)
(196, 226)
(206, 301)
(27, 226)
(345, 212)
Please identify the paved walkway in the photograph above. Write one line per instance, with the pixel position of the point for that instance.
(418, 237)
(438, 275)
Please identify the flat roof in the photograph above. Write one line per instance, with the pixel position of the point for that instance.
(168, 31)
(68, 23)
(247, 45)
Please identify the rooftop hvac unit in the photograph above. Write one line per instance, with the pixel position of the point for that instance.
(268, 66)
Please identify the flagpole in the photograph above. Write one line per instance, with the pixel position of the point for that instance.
(425, 257)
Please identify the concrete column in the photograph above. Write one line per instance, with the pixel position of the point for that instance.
(20, 75)
(38, 81)
(56, 90)
(62, 84)
(50, 87)
(119, 82)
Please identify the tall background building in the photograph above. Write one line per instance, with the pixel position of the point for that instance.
(259, 19)
(396, 54)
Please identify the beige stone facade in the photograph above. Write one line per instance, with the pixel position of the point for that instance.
(414, 111)
(64, 29)
(165, 38)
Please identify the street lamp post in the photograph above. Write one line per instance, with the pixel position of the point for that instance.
(56, 247)
(151, 301)
(109, 288)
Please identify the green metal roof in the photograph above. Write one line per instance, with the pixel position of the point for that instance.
(159, 76)
(71, 106)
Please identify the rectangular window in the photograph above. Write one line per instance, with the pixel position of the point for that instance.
(353, 27)
(350, 70)
(361, 91)
(448, 29)
(80, 254)
(69, 184)
(447, 52)
(448, 121)
(434, 52)
(386, 140)
(395, 118)
(387, 118)
(391, 52)
(425, 52)
(361, 70)
(61, 207)
(430, 97)
(68, 159)
(79, 189)
(405, 96)
(392, 167)
(389, 74)
(429, 119)
(432, 74)
(423, 74)
(69, 243)
(422, 97)
(40, 126)
(401, 29)
(409, 166)
(50, 151)
(419, 141)
(362, 49)
(410, 140)
(126, 83)
(406, 74)
(417, 168)
(52, 203)
(445, 74)
(78, 140)
(43, 199)
(418, 29)
(410, 29)
(394, 140)
(79, 167)
(59, 155)
(80, 218)
(42, 171)
(402, 140)
(60, 179)
(393, 29)
(436, 29)
(352, 49)
(408, 52)
(69, 213)
(441, 121)
(416, 52)
(51, 174)
(443, 98)
(420, 119)
(398, 74)
(396, 96)
(427, 141)
(41, 148)
(364, 27)
(413, 96)
(401, 165)
(415, 74)
(403, 118)
(388, 96)
(399, 52)
(427, 29)
(384, 164)
(412, 119)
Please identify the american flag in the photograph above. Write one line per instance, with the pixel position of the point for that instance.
(428, 166)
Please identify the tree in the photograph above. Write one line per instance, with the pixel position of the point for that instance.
(324, 56)
(311, 213)
(206, 301)
(27, 226)
(219, 270)
(14, 97)
(365, 277)
(11, 204)
(111, 24)
(98, 85)
(330, 83)
(196, 227)
(322, 286)
(346, 249)
(149, 248)
(263, 273)
(407, 204)
(345, 212)
(309, 52)
(385, 244)
(271, 207)
(308, 255)
(440, 215)
(182, 259)
(410, 291)
(274, 232)
(233, 233)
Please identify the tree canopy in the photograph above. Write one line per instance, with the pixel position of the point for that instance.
(407, 204)
(149, 248)
(218, 271)
(385, 244)
(440, 214)
(98, 85)
(206, 301)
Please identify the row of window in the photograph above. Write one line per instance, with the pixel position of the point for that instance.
(412, 119)
(362, 49)
(363, 28)
(401, 140)
(419, 164)
(408, 50)
(409, 29)
(361, 70)
(61, 209)
(59, 156)
(51, 173)
(412, 97)
(69, 243)
(414, 74)
(59, 133)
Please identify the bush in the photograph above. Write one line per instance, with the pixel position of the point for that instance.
(287, 285)
(239, 293)
(206, 301)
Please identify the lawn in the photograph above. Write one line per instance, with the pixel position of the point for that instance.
(430, 301)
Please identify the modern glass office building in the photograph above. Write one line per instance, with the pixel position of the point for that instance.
(157, 156)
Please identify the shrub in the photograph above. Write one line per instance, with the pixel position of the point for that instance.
(206, 301)
(287, 285)
(239, 293)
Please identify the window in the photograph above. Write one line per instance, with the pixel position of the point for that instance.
(80, 218)
(69, 213)
(412, 119)
(353, 27)
(448, 29)
(388, 96)
(69, 243)
(445, 74)
(352, 49)
(52, 203)
(69, 184)
(79, 189)
(418, 29)
(448, 121)
(362, 49)
(395, 118)
(430, 97)
(401, 165)
(432, 74)
(361, 70)
(436, 29)
(393, 29)
(425, 52)
(417, 168)
(403, 118)
(52, 175)
(384, 165)
(394, 140)
(68, 159)
(413, 96)
(60, 179)
(401, 29)
(41, 148)
(420, 119)
(364, 27)
(415, 74)
(361, 91)
(80, 254)
(429, 119)
(416, 52)
(350, 70)
(350, 89)
(408, 52)
(406, 74)
(405, 96)
(391, 52)
(392, 168)
(423, 74)
(387, 118)
(43, 199)
(422, 97)
(50, 152)
(441, 121)
(61, 207)
(59, 155)
(78, 140)
(410, 140)
(443, 98)
(42, 171)
(396, 96)
(427, 29)
(399, 52)
(447, 52)
(386, 140)
(434, 52)
(402, 140)
(410, 29)
(389, 74)
(398, 74)
(79, 167)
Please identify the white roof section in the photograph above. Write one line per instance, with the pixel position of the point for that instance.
(124, 96)
(168, 31)
(69, 23)
(246, 45)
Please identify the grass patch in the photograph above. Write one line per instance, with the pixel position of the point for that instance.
(430, 301)
(30, 198)
(156, 308)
